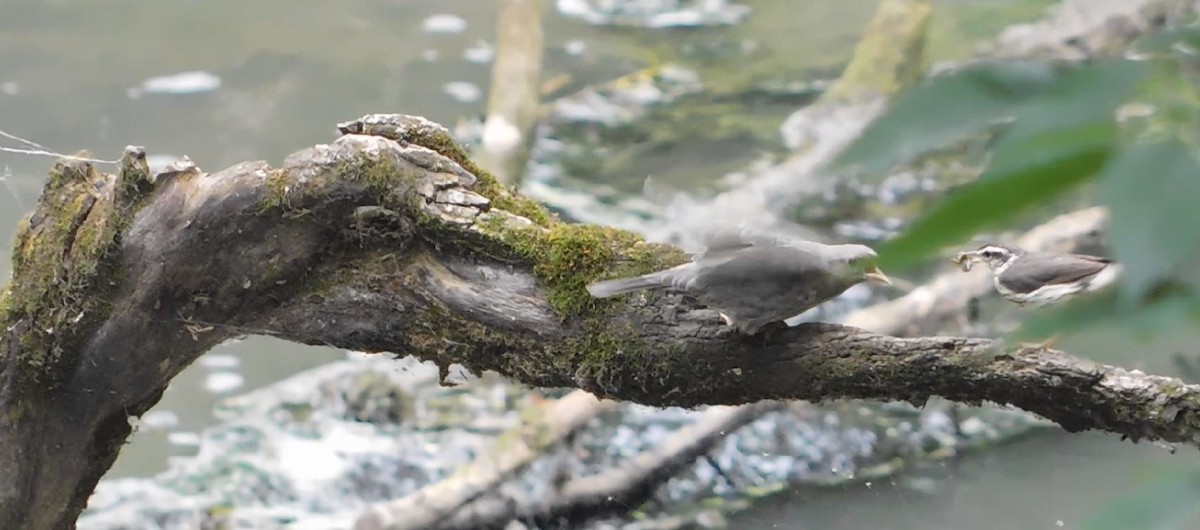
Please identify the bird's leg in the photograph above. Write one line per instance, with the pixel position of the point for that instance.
(768, 332)
(955, 414)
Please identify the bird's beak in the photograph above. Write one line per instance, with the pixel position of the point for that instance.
(874, 274)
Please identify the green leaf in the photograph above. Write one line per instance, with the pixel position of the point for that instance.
(1029, 145)
(1153, 194)
(1168, 502)
(1028, 168)
(948, 108)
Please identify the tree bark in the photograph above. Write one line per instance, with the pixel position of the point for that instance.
(390, 239)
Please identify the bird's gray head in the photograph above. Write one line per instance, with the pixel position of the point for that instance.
(856, 260)
(995, 256)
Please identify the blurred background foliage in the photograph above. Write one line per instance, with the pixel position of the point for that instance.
(1124, 131)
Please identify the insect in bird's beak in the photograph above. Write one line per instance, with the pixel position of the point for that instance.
(874, 274)
(965, 260)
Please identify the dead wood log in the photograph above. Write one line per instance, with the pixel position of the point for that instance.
(389, 239)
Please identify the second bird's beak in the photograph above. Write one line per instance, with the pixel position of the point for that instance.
(874, 274)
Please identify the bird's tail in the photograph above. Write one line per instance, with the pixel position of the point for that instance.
(609, 288)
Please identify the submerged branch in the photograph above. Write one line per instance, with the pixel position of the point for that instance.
(614, 491)
(515, 450)
(390, 239)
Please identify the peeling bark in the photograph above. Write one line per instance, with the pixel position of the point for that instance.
(390, 239)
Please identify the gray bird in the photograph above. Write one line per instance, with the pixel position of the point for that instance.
(756, 280)
(1040, 278)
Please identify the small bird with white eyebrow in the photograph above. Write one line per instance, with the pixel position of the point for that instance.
(1040, 278)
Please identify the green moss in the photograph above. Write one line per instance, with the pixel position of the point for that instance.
(563, 259)
(276, 195)
(63, 266)
(386, 180)
(5, 294)
(566, 257)
(63, 174)
(508, 200)
(601, 357)
(134, 181)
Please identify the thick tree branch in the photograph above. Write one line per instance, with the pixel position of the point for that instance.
(389, 239)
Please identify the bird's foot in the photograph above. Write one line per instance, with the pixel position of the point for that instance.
(725, 318)
(1042, 346)
(768, 332)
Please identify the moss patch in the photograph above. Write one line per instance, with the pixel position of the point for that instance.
(277, 189)
(387, 182)
(564, 257)
(63, 267)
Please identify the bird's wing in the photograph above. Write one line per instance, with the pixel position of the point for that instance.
(1026, 275)
(725, 241)
(730, 239)
(757, 263)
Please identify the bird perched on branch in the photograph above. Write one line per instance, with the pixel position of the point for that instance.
(754, 279)
(1040, 278)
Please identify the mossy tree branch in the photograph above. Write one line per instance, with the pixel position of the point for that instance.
(390, 239)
